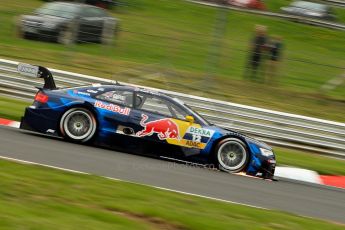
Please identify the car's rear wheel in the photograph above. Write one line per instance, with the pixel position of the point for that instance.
(231, 155)
(78, 124)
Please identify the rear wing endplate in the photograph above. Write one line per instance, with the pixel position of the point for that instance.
(37, 72)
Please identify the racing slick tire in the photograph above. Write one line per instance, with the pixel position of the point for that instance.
(231, 155)
(78, 125)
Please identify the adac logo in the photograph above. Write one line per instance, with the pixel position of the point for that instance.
(164, 128)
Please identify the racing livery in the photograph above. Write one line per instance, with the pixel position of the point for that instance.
(141, 121)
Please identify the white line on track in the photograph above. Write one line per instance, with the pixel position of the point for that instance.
(44, 165)
(116, 179)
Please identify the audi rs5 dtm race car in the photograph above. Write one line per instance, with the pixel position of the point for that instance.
(141, 121)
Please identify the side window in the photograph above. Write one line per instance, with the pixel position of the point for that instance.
(118, 97)
(153, 104)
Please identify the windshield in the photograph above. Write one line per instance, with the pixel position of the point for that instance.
(58, 10)
(197, 116)
(190, 111)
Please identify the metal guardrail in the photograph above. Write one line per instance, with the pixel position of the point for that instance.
(336, 2)
(295, 18)
(273, 127)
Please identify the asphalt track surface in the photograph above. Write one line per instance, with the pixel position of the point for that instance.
(299, 198)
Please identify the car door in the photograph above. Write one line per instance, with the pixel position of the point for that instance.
(152, 118)
(91, 23)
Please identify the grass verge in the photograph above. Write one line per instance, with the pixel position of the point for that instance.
(11, 108)
(322, 164)
(42, 198)
(14, 109)
(174, 41)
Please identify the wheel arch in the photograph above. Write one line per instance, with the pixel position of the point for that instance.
(213, 154)
(240, 137)
(84, 105)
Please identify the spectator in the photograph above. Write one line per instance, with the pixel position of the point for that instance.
(274, 49)
(258, 46)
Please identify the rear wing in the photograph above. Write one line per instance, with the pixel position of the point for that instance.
(37, 72)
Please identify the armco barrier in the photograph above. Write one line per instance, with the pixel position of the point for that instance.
(336, 2)
(273, 127)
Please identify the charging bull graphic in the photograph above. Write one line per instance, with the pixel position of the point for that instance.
(165, 128)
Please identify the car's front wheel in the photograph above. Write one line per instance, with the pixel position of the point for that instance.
(231, 155)
(78, 124)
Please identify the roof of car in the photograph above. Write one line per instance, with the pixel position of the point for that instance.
(129, 87)
(74, 3)
(137, 89)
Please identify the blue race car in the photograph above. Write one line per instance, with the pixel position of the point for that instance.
(141, 121)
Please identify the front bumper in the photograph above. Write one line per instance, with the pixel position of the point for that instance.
(39, 32)
(262, 166)
(267, 168)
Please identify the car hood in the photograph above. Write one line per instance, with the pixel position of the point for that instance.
(44, 18)
(260, 144)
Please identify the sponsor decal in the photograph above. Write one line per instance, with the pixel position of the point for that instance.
(27, 70)
(164, 128)
(50, 131)
(200, 131)
(81, 93)
(108, 94)
(196, 137)
(193, 144)
(91, 91)
(119, 97)
(112, 108)
(176, 132)
(100, 89)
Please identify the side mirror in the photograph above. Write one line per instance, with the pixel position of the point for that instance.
(190, 119)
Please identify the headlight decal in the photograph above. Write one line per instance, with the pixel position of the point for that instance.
(266, 152)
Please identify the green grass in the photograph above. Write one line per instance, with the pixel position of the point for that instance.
(178, 54)
(14, 109)
(34, 197)
(322, 164)
(275, 5)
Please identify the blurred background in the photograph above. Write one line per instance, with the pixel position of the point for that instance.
(276, 54)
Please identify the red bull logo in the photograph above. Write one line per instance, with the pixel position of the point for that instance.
(164, 128)
(113, 108)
